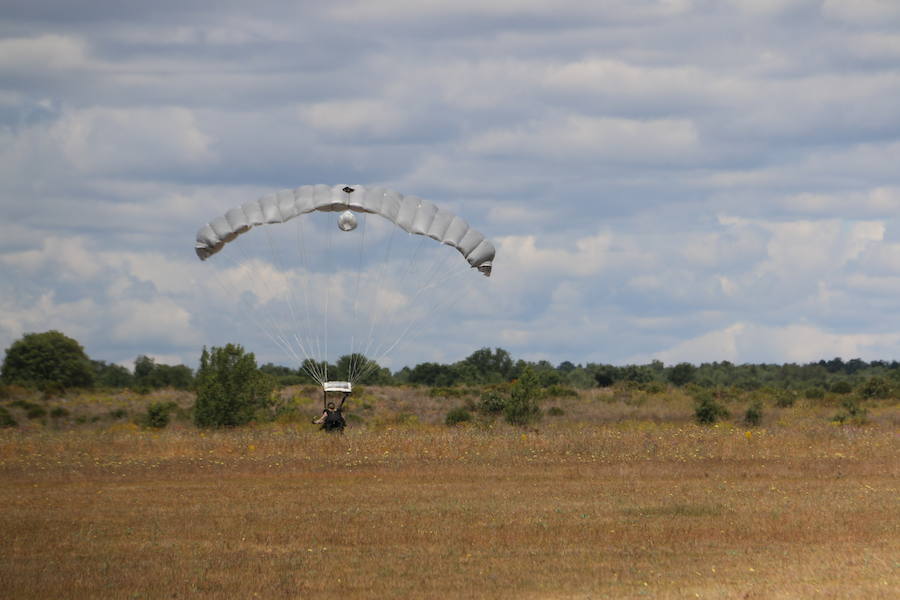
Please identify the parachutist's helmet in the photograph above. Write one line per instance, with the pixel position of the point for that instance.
(347, 221)
(331, 406)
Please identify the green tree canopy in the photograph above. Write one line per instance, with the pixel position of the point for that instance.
(49, 360)
(230, 388)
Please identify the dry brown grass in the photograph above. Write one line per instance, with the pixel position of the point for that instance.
(623, 508)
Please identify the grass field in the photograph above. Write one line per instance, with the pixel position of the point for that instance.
(609, 501)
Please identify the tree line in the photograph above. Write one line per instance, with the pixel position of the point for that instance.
(52, 362)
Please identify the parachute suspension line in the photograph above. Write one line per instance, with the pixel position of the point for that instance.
(311, 365)
(277, 261)
(442, 301)
(359, 268)
(405, 276)
(431, 269)
(330, 254)
(273, 321)
(271, 330)
(360, 359)
(431, 283)
(375, 285)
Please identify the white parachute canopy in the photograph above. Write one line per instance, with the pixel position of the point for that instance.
(342, 271)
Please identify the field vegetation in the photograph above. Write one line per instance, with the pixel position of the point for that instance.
(611, 492)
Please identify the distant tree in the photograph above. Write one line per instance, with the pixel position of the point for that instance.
(834, 365)
(580, 378)
(143, 368)
(566, 367)
(547, 374)
(47, 361)
(179, 377)
(682, 374)
(230, 388)
(487, 366)
(111, 375)
(364, 370)
(149, 375)
(636, 373)
(433, 374)
(606, 375)
(855, 365)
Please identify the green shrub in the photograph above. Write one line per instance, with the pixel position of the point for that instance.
(157, 415)
(6, 419)
(785, 398)
(841, 387)
(653, 387)
(457, 415)
(706, 410)
(555, 411)
(230, 388)
(852, 413)
(58, 412)
(559, 391)
(447, 392)
(753, 416)
(814, 393)
(118, 413)
(875, 387)
(36, 412)
(491, 403)
(522, 405)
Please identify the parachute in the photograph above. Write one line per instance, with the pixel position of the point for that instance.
(360, 291)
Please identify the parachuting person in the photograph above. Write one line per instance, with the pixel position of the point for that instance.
(332, 418)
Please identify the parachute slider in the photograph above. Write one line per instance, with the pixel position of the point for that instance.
(338, 386)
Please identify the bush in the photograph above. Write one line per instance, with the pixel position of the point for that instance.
(555, 411)
(753, 416)
(457, 415)
(49, 361)
(815, 393)
(785, 398)
(448, 392)
(58, 412)
(491, 403)
(841, 387)
(559, 391)
(36, 411)
(230, 388)
(875, 387)
(157, 415)
(522, 405)
(653, 387)
(117, 413)
(852, 413)
(706, 410)
(6, 419)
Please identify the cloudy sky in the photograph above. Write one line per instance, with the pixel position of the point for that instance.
(684, 180)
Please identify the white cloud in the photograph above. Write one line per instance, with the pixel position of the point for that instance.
(357, 117)
(49, 51)
(862, 11)
(104, 139)
(585, 139)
